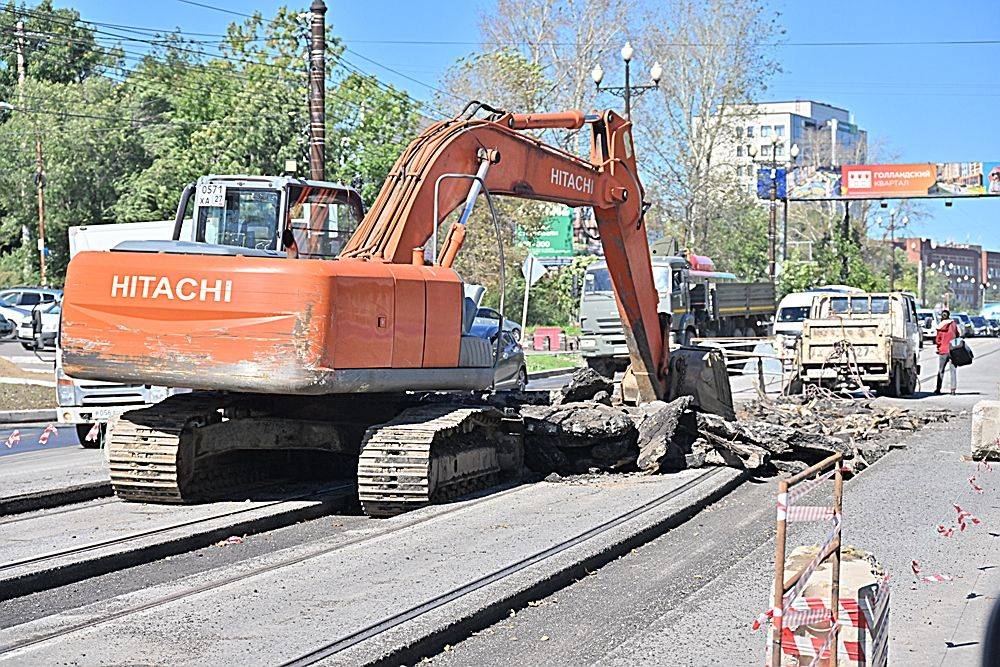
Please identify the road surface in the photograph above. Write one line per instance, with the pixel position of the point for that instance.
(696, 590)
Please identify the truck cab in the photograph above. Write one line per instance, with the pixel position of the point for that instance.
(700, 301)
(862, 339)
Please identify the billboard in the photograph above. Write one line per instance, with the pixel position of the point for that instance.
(896, 181)
(555, 239)
(941, 179)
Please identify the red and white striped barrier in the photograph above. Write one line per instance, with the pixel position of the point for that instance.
(94, 433)
(13, 439)
(867, 617)
(49, 431)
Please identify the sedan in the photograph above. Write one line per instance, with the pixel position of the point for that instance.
(48, 319)
(493, 314)
(980, 326)
(994, 326)
(511, 370)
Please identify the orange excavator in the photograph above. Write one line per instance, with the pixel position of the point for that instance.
(289, 348)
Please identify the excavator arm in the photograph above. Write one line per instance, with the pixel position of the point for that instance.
(422, 190)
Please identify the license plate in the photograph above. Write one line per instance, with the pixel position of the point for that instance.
(621, 349)
(104, 414)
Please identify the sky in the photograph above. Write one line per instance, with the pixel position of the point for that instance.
(921, 103)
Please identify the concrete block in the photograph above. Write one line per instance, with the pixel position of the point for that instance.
(986, 430)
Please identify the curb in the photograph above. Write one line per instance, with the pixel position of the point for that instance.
(27, 416)
(552, 373)
(58, 575)
(41, 500)
(450, 631)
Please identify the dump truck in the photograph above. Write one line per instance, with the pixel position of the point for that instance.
(866, 339)
(701, 301)
(316, 354)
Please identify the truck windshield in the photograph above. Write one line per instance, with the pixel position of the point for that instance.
(859, 305)
(793, 313)
(248, 220)
(599, 280)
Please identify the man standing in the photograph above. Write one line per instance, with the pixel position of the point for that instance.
(947, 331)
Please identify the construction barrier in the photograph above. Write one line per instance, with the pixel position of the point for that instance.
(803, 629)
(788, 591)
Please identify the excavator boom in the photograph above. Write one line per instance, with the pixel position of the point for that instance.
(418, 195)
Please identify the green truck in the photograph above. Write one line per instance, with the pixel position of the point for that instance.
(702, 302)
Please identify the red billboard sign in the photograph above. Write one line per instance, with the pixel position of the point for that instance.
(888, 180)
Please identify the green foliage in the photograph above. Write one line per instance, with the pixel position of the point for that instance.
(798, 276)
(84, 158)
(121, 148)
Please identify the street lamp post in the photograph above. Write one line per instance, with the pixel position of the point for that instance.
(628, 90)
(772, 227)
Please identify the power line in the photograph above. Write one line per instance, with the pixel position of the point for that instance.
(427, 42)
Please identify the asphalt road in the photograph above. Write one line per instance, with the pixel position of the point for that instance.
(690, 596)
(40, 362)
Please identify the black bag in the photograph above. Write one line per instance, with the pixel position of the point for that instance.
(960, 353)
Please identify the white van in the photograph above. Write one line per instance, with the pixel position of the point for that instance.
(794, 308)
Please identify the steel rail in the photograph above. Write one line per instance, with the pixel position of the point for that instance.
(155, 531)
(387, 624)
(58, 509)
(180, 595)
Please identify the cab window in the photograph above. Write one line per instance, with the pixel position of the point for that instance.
(321, 219)
(248, 220)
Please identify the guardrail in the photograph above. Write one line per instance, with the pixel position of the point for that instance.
(736, 356)
(786, 592)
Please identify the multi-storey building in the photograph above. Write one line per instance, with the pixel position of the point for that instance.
(971, 272)
(825, 135)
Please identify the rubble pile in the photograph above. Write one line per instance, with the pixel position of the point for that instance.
(578, 430)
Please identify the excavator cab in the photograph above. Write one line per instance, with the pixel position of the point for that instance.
(271, 215)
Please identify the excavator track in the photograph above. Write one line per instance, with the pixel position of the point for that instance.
(428, 454)
(147, 456)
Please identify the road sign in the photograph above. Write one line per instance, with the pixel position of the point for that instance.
(555, 238)
(532, 269)
(764, 182)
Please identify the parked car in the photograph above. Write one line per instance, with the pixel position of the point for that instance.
(511, 370)
(48, 316)
(980, 327)
(16, 303)
(929, 320)
(964, 324)
(493, 315)
(994, 327)
(7, 327)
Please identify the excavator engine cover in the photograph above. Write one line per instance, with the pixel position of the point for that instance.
(699, 372)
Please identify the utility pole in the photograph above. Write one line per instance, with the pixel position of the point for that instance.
(22, 73)
(317, 91)
(40, 187)
(892, 251)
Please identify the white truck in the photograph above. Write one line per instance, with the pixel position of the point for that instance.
(861, 339)
(86, 403)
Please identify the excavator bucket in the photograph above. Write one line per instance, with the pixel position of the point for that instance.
(699, 372)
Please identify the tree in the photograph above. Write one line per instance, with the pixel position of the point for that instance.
(715, 58)
(87, 153)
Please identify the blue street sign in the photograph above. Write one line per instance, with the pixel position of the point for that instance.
(764, 182)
